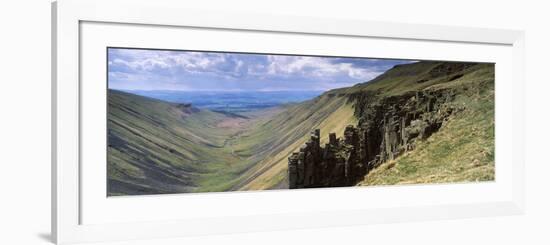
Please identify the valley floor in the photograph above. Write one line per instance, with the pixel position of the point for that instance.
(158, 147)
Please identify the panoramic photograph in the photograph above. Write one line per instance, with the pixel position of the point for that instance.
(183, 121)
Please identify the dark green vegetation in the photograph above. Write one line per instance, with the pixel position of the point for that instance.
(161, 147)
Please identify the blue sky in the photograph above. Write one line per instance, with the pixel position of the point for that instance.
(140, 69)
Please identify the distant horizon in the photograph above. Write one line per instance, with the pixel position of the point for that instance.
(229, 101)
(189, 71)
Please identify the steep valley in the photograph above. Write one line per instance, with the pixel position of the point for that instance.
(425, 122)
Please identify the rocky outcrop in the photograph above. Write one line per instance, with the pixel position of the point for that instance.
(338, 163)
(185, 109)
(387, 127)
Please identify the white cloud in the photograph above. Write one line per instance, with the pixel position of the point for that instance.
(231, 71)
(316, 66)
(147, 60)
(196, 61)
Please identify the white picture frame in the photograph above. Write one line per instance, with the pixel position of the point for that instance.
(69, 200)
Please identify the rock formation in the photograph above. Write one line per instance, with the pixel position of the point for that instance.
(388, 126)
(338, 163)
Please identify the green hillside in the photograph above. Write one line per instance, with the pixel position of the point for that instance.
(160, 147)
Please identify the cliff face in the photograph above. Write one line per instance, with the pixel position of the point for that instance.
(388, 126)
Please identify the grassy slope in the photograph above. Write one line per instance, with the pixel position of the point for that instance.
(461, 151)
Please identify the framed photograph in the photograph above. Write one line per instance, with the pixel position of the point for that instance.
(169, 121)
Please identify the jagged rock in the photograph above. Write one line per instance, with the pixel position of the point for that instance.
(293, 170)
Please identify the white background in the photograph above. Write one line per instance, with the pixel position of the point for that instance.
(25, 123)
(96, 209)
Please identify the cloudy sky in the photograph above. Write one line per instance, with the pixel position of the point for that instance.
(136, 69)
